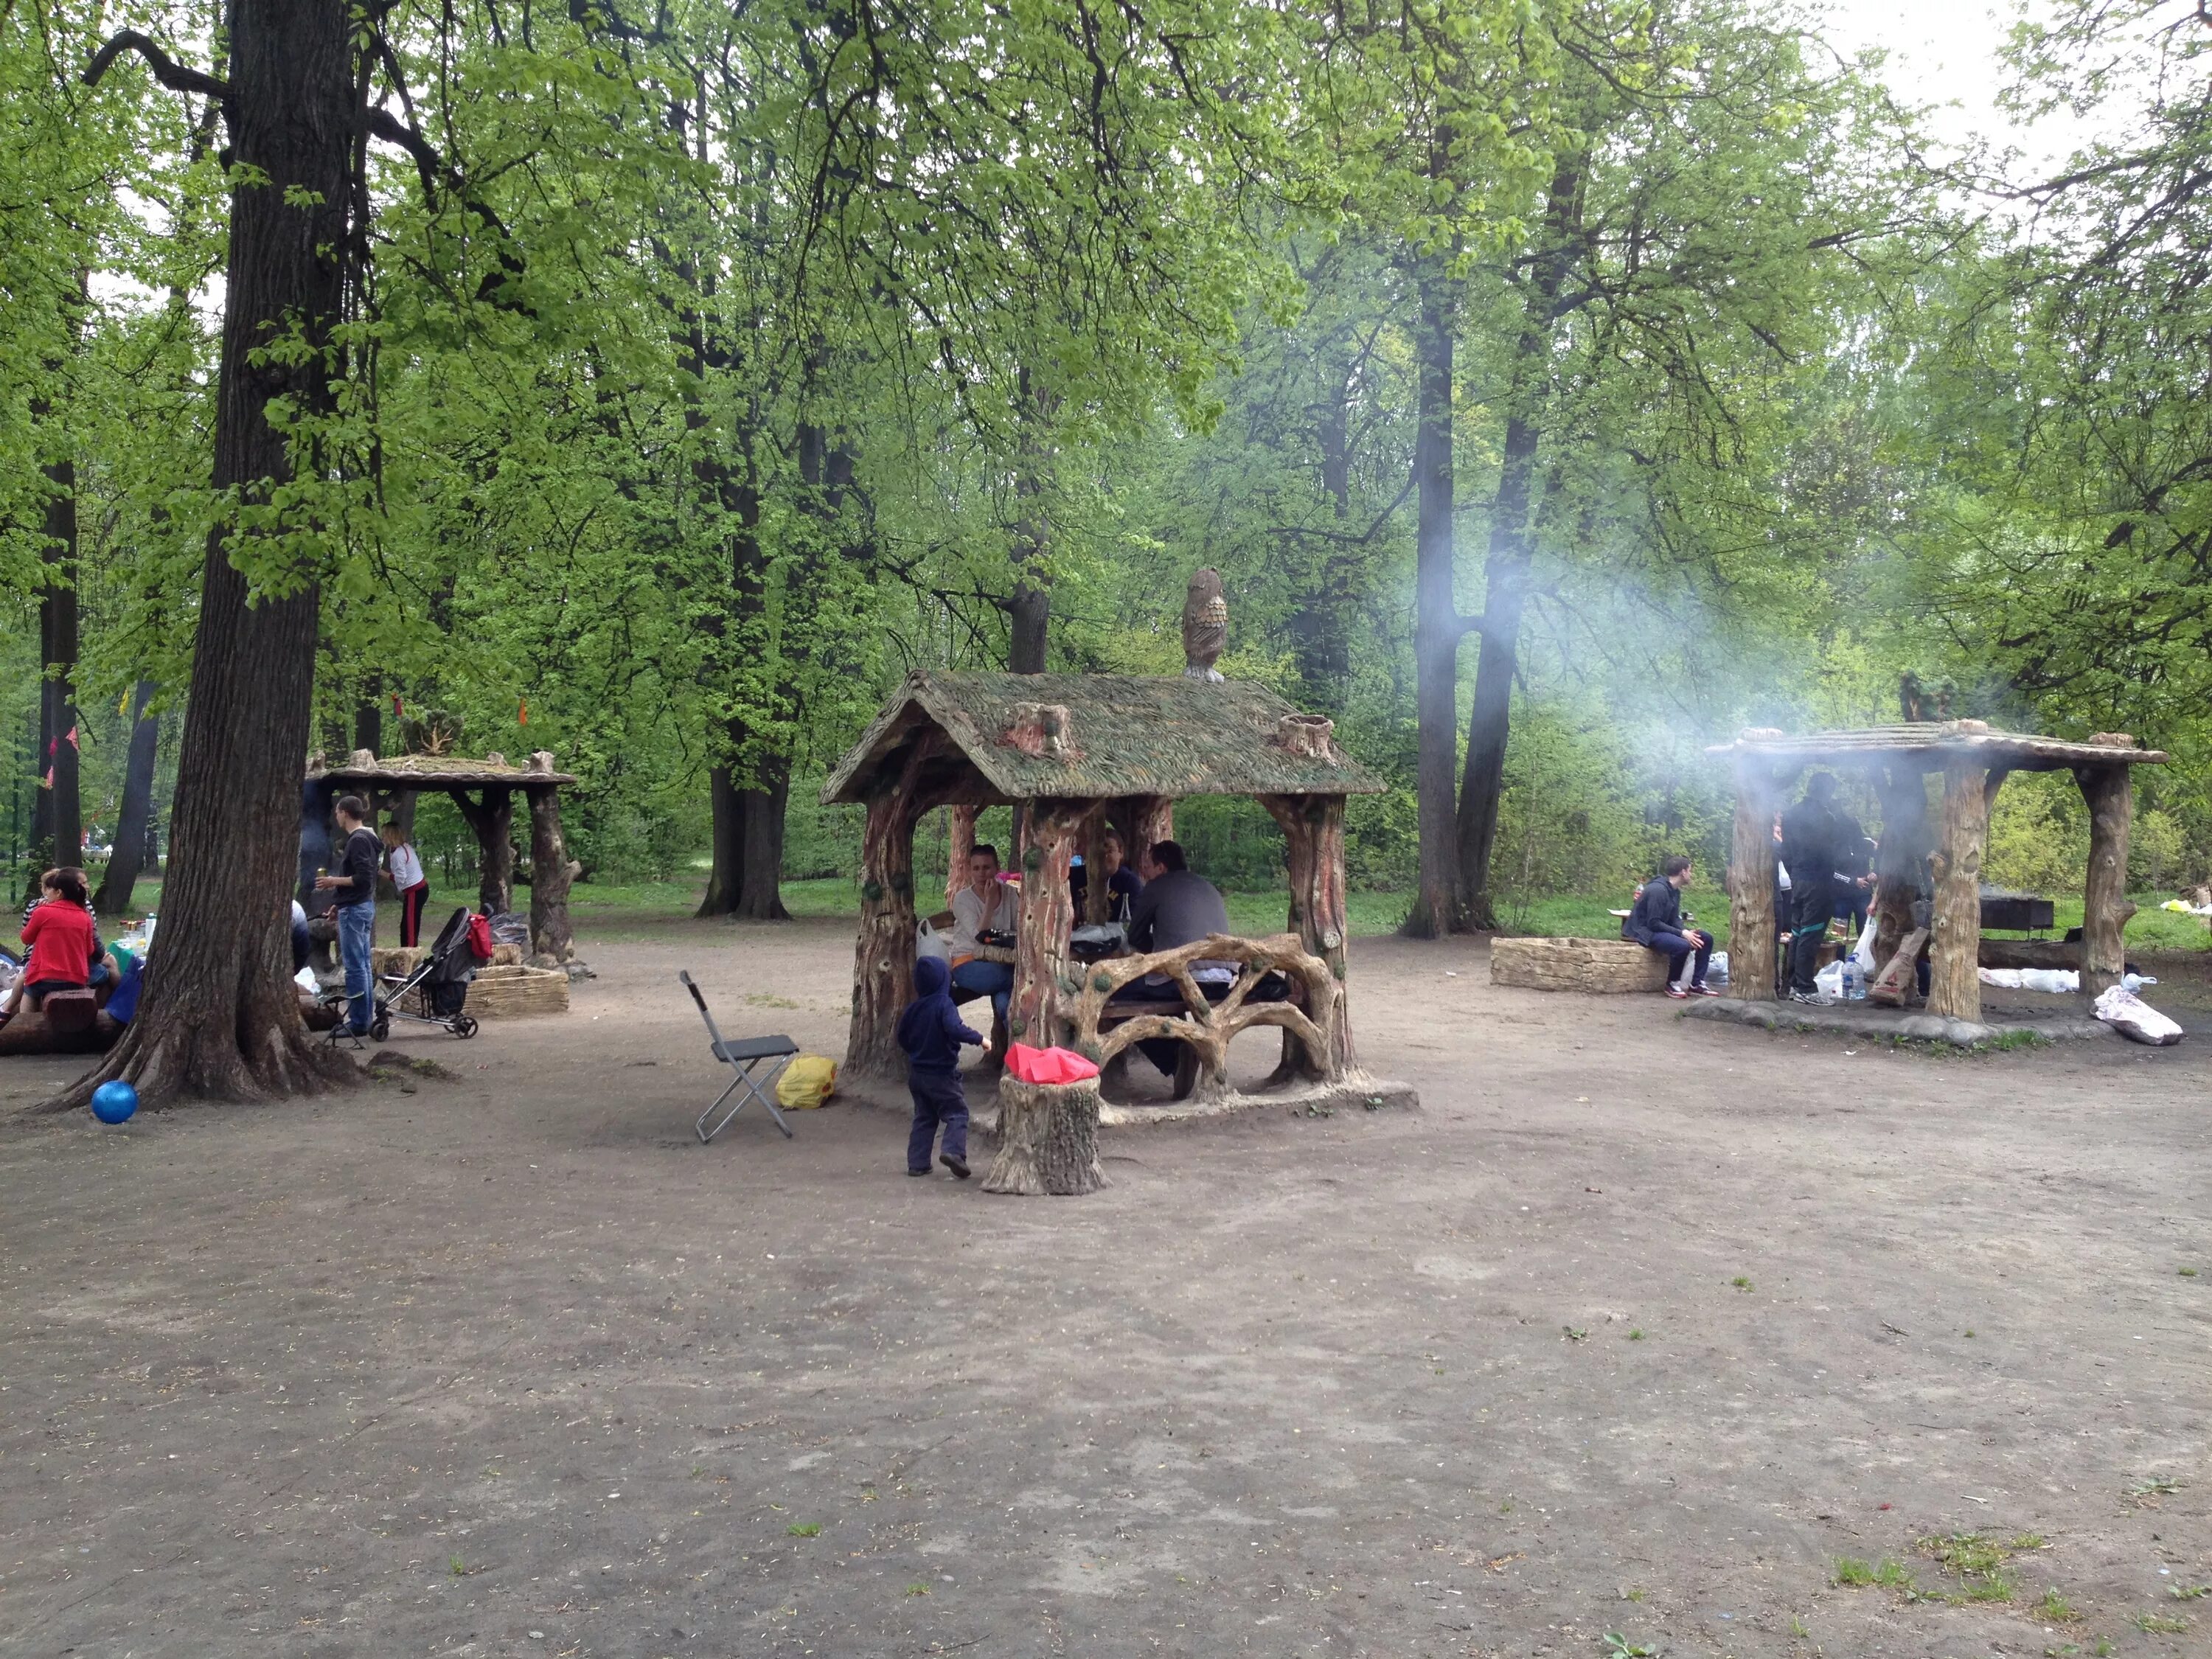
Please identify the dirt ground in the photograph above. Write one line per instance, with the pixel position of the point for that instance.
(1637, 1326)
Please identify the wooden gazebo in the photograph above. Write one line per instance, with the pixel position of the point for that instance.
(484, 791)
(1973, 761)
(1081, 753)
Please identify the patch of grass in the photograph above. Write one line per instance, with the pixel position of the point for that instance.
(1575, 1335)
(2145, 1494)
(1635, 1335)
(2186, 1273)
(1741, 1282)
(917, 1587)
(1978, 1561)
(2189, 1592)
(2056, 1609)
(2025, 1541)
(1617, 1646)
(804, 1529)
(2159, 1624)
(1987, 1587)
(457, 1567)
(1853, 1574)
(2016, 1039)
(1798, 1629)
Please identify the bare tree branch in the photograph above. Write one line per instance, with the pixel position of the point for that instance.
(177, 77)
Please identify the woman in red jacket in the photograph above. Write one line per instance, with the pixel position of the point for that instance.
(59, 931)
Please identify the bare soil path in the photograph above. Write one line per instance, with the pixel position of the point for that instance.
(1637, 1326)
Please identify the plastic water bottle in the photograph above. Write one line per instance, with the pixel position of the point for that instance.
(1854, 982)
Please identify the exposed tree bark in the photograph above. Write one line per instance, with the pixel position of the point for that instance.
(63, 824)
(134, 819)
(493, 820)
(963, 838)
(1437, 624)
(746, 880)
(1313, 839)
(1090, 841)
(549, 875)
(882, 954)
(218, 1017)
(369, 716)
(1752, 937)
(1512, 551)
(1954, 985)
(1029, 611)
(1047, 913)
(1047, 1140)
(2110, 792)
(1901, 857)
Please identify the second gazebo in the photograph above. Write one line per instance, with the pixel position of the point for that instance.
(1077, 753)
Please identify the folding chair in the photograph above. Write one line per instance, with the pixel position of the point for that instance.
(743, 1057)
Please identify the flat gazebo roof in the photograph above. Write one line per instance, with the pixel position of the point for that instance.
(439, 772)
(1935, 744)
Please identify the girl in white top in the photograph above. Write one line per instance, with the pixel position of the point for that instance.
(405, 866)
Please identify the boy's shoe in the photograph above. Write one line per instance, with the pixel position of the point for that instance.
(957, 1165)
(1677, 992)
(1703, 991)
(1812, 999)
(917, 1172)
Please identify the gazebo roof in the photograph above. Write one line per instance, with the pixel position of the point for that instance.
(1098, 736)
(439, 772)
(1933, 743)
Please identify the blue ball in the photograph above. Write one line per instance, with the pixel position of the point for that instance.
(114, 1103)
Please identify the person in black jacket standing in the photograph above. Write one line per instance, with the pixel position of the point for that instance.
(1658, 922)
(352, 886)
(1812, 838)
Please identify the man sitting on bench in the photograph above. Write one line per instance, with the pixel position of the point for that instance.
(1657, 921)
(1178, 907)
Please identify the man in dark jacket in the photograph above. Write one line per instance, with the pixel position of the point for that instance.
(1658, 922)
(352, 886)
(1813, 851)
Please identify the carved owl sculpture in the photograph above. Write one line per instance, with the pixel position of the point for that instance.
(1205, 625)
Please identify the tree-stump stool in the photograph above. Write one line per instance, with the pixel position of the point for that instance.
(1047, 1140)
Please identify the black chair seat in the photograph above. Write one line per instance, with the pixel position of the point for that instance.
(765, 1047)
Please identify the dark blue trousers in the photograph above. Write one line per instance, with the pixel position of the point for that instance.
(937, 1100)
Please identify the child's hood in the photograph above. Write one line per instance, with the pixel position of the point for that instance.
(931, 976)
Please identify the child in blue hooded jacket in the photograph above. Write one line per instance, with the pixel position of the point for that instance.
(930, 1033)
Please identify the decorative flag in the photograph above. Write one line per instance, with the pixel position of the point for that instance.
(47, 781)
(522, 715)
(398, 710)
(73, 743)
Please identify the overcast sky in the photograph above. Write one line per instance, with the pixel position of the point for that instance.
(1945, 53)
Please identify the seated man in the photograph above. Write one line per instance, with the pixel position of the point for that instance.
(1657, 921)
(1122, 883)
(985, 905)
(1177, 906)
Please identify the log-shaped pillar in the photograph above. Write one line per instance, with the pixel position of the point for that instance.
(1954, 985)
(1313, 843)
(962, 843)
(1041, 954)
(1152, 819)
(1091, 843)
(2110, 792)
(1750, 883)
(493, 820)
(883, 953)
(550, 873)
(1901, 859)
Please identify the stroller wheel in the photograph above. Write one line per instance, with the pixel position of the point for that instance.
(381, 1027)
(464, 1026)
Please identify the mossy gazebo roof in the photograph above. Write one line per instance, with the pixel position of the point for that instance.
(1094, 737)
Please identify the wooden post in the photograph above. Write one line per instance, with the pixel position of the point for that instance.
(883, 953)
(963, 842)
(1041, 957)
(1095, 872)
(493, 820)
(1313, 839)
(1751, 885)
(549, 875)
(2110, 792)
(1900, 862)
(1047, 1140)
(1954, 985)
(1152, 819)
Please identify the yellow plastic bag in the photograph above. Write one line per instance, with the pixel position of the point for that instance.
(806, 1082)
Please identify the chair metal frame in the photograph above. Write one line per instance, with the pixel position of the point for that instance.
(742, 1057)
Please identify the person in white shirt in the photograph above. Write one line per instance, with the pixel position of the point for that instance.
(405, 864)
(985, 905)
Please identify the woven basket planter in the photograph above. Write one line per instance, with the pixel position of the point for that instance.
(1605, 966)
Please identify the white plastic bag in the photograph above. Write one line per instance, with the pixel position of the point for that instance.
(1862, 953)
(928, 942)
(2132, 1017)
(1829, 982)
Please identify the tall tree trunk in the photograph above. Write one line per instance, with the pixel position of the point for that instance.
(1029, 610)
(220, 1017)
(1437, 624)
(550, 935)
(134, 819)
(369, 716)
(1512, 549)
(1320, 632)
(57, 647)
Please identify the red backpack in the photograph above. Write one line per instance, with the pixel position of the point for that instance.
(480, 937)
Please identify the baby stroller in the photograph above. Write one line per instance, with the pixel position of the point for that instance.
(438, 987)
